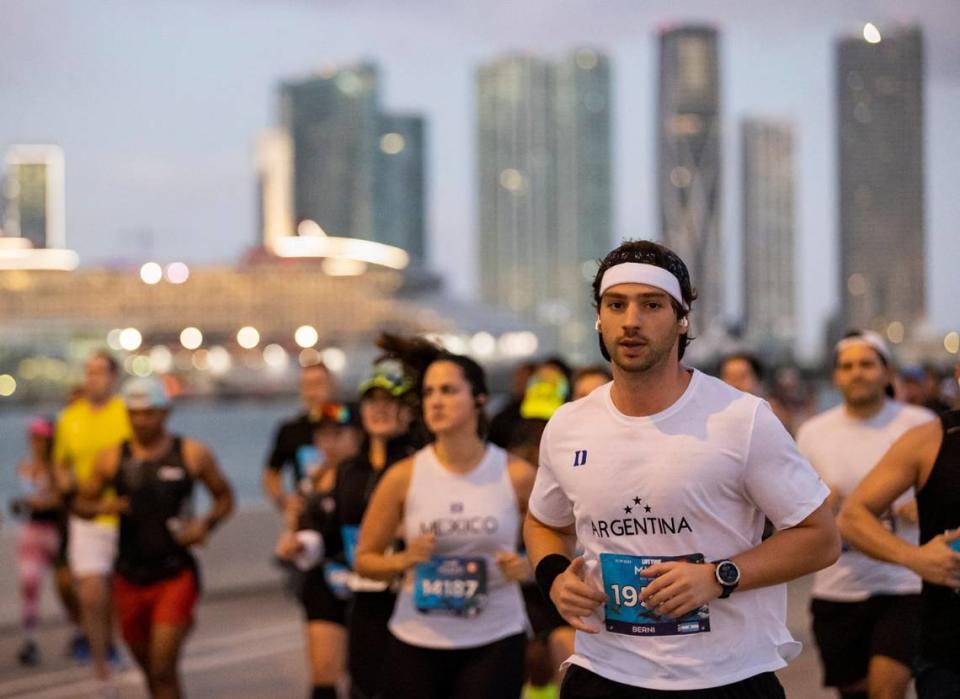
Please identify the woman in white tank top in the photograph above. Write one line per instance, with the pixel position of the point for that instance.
(459, 627)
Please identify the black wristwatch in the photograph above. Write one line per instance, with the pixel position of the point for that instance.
(728, 575)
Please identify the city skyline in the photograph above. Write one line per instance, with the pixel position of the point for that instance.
(203, 172)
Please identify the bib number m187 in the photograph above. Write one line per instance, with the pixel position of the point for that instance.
(451, 586)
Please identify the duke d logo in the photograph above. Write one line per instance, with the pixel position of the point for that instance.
(639, 519)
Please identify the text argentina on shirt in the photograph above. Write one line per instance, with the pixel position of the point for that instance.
(645, 525)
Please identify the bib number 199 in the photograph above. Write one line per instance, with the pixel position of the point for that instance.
(625, 595)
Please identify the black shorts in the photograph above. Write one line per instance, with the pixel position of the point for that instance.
(319, 602)
(580, 683)
(484, 672)
(543, 615)
(368, 639)
(848, 634)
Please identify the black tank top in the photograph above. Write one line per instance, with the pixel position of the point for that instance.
(939, 505)
(160, 493)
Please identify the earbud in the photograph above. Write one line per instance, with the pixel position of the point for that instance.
(685, 322)
(596, 325)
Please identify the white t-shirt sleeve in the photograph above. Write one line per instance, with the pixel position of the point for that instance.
(779, 480)
(548, 502)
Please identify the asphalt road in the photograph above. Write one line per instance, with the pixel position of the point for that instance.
(249, 646)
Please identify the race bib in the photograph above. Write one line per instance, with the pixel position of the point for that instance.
(623, 612)
(337, 577)
(451, 586)
(350, 534)
(308, 455)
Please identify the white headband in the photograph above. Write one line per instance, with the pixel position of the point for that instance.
(869, 338)
(641, 273)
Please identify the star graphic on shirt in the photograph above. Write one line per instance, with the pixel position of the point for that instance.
(636, 501)
(627, 509)
(647, 508)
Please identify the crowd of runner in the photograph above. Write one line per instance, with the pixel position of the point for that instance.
(624, 529)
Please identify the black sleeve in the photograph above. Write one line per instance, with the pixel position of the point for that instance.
(280, 454)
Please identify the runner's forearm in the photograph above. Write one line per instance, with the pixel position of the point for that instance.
(273, 487)
(222, 507)
(542, 540)
(864, 531)
(380, 566)
(791, 553)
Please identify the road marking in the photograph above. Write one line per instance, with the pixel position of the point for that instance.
(205, 654)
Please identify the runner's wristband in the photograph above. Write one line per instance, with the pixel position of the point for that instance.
(548, 569)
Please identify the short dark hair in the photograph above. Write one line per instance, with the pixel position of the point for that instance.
(753, 360)
(651, 253)
(112, 364)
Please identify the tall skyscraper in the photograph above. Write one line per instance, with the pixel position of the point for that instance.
(353, 169)
(333, 122)
(401, 183)
(688, 155)
(34, 195)
(544, 185)
(769, 287)
(274, 185)
(881, 130)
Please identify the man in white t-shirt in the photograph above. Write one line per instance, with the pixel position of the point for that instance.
(865, 612)
(664, 476)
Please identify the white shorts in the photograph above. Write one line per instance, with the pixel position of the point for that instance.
(91, 547)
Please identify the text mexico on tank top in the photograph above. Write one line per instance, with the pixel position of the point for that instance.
(160, 493)
(460, 598)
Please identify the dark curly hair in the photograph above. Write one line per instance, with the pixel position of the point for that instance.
(651, 253)
(418, 353)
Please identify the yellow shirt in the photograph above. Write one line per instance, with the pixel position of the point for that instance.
(83, 432)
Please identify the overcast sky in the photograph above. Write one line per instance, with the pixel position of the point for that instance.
(158, 103)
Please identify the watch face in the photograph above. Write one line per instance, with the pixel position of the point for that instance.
(728, 573)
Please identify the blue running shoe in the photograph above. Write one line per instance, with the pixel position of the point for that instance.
(116, 659)
(79, 649)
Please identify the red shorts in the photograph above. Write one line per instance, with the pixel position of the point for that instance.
(141, 607)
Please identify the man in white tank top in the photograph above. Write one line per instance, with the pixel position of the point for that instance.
(866, 613)
(664, 477)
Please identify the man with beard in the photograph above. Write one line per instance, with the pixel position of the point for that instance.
(865, 613)
(664, 476)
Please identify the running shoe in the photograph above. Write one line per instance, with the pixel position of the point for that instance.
(29, 654)
(116, 659)
(79, 649)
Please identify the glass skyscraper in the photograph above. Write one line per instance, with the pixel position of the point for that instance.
(688, 162)
(769, 288)
(881, 218)
(544, 186)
